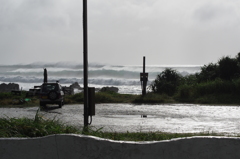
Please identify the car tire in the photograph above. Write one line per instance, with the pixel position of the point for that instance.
(52, 95)
(60, 104)
(42, 104)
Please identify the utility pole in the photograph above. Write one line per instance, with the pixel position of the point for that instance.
(85, 62)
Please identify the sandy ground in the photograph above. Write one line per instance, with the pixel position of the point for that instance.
(175, 118)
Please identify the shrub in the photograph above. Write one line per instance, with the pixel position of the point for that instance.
(185, 91)
(189, 79)
(166, 82)
(228, 68)
(216, 87)
(5, 96)
(208, 73)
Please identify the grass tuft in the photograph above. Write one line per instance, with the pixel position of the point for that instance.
(38, 127)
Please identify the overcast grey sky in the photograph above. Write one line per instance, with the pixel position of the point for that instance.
(121, 32)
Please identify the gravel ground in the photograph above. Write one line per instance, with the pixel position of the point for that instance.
(175, 118)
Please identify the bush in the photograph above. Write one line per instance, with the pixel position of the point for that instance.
(166, 82)
(185, 91)
(208, 73)
(218, 87)
(228, 68)
(5, 96)
(189, 80)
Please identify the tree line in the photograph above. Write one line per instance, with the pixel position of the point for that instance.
(214, 80)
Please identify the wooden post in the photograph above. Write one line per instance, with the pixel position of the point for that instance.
(144, 78)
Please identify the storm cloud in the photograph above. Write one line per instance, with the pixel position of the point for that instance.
(167, 32)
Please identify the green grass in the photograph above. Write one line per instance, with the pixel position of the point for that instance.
(38, 127)
(102, 97)
(10, 100)
(111, 97)
(24, 127)
(146, 136)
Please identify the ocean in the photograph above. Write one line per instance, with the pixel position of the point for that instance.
(125, 77)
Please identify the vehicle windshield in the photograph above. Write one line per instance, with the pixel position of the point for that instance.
(49, 87)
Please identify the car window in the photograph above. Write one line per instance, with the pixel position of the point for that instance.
(49, 87)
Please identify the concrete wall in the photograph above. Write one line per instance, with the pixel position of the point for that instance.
(80, 147)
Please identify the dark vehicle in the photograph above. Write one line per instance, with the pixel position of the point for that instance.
(51, 93)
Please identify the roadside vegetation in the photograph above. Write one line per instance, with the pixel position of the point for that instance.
(39, 127)
(10, 100)
(102, 97)
(216, 83)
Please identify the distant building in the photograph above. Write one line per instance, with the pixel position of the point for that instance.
(9, 87)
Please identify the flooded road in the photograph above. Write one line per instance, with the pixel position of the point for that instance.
(174, 118)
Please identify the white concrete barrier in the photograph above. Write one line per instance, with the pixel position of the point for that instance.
(81, 147)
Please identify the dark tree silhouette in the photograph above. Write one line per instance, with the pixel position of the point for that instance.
(166, 82)
(228, 68)
(208, 73)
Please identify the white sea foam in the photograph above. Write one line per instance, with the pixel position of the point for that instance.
(126, 78)
(40, 70)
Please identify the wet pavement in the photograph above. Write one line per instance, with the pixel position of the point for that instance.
(174, 118)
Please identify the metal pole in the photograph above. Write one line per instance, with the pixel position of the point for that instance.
(85, 62)
(143, 64)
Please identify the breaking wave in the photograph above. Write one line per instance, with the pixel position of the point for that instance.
(99, 74)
